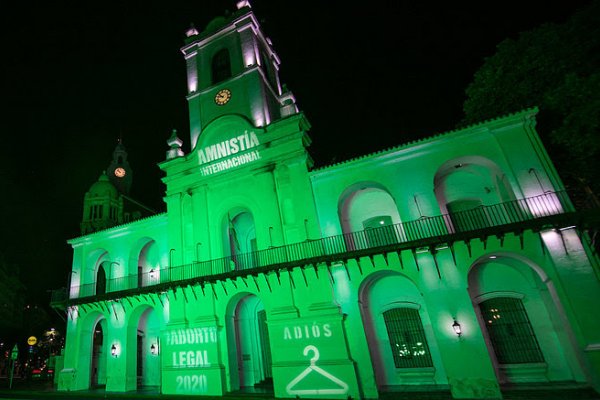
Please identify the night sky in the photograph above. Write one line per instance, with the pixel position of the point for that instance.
(76, 77)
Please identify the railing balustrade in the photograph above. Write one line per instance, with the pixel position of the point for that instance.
(482, 217)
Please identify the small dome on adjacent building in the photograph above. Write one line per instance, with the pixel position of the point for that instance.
(103, 188)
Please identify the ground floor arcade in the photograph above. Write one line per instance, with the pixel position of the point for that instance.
(469, 317)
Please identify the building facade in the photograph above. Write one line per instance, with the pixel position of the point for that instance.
(457, 261)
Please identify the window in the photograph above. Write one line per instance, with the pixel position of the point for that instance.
(407, 338)
(221, 66)
(113, 213)
(510, 331)
(96, 212)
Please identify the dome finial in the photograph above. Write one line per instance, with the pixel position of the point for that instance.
(175, 143)
(192, 31)
(243, 3)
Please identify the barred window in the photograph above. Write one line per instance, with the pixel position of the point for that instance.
(407, 338)
(510, 331)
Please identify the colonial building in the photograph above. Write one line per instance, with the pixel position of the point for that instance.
(457, 261)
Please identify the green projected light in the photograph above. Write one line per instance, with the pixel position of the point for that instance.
(455, 262)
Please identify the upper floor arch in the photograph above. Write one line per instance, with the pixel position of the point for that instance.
(369, 208)
(463, 186)
(239, 236)
(144, 261)
(364, 205)
(96, 273)
(241, 227)
(472, 180)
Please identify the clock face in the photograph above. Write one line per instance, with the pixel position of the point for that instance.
(222, 96)
(119, 172)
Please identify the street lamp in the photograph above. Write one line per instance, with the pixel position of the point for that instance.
(457, 328)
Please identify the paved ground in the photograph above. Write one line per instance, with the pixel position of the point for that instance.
(23, 390)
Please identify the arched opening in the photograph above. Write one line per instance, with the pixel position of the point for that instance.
(148, 264)
(98, 365)
(399, 334)
(94, 277)
(517, 312)
(509, 330)
(249, 347)
(240, 240)
(143, 355)
(221, 66)
(369, 217)
(464, 187)
(101, 280)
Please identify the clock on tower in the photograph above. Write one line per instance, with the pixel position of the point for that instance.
(119, 171)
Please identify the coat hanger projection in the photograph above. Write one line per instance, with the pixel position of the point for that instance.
(342, 386)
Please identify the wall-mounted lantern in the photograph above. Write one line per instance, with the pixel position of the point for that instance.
(151, 273)
(457, 328)
(113, 350)
(153, 349)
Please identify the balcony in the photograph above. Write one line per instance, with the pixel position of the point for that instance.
(552, 209)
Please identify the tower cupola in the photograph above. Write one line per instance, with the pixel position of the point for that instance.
(232, 69)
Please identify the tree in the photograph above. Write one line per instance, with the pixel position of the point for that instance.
(556, 68)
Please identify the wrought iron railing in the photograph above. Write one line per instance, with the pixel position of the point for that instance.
(483, 217)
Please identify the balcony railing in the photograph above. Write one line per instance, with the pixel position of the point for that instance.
(483, 217)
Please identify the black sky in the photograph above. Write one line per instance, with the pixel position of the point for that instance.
(77, 76)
